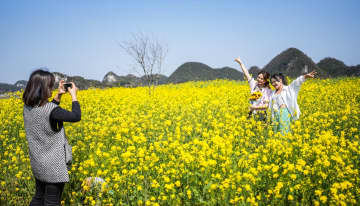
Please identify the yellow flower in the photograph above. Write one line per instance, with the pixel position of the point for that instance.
(195, 134)
(139, 187)
(247, 187)
(275, 168)
(166, 179)
(188, 193)
(318, 192)
(323, 199)
(255, 95)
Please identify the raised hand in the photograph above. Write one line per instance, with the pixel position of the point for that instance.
(61, 87)
(243, 68)
(310, 75)
(238, 60)
(73, 91)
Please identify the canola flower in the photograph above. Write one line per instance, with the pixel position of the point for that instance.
(191, 144)
(255, 96)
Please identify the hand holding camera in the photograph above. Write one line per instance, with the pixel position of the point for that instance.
(72, 89)
(68, 87)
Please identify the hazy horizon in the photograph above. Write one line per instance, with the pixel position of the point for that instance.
(81, 38)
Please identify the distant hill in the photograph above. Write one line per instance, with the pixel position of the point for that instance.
(158, 78)
(112, 79)
(8, 88)
(353, 71)
(21, 84)
(293, 63)
(195, 71)
(337, 68)
(4, 88)
(79, 81)
(254, 70)
(333, 67)
(192, 71)
(228, 73)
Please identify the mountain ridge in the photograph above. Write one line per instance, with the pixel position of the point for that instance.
(291, 62)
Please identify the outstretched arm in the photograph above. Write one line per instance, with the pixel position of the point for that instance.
(297, 82)
(243, 68)
(310, 75)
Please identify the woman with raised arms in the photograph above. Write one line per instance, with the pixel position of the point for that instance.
(283, 102)
(260, 92)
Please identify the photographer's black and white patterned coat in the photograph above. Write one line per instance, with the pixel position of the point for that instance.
(46, 147)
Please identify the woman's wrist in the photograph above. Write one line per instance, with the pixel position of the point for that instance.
(57, 97)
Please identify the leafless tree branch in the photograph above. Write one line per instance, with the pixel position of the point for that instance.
(148, 54)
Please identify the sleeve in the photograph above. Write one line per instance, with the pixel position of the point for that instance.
(62, 115)
(252, 84)
(55, 102)
(295, 85)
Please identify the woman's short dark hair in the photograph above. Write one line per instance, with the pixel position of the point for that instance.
(266, 77)
(38, 88)
(278, 77)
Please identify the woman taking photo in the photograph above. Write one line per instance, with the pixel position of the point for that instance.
(260, 92)
(49, 150)
(283, 102)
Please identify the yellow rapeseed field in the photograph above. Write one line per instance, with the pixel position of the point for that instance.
(191, 144)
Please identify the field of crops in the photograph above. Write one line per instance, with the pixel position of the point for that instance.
(191, 144)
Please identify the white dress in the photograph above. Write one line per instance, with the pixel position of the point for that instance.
(265, 95)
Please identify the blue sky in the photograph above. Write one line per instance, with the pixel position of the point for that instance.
(81, 37)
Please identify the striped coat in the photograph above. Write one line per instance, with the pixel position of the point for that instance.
(48, 150)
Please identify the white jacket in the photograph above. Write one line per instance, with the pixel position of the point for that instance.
(289, 95)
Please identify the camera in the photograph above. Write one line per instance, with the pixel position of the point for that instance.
(67, 85)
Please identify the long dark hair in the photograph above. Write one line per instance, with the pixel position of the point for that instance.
(266, 76)
(38, 88)
(278, 77)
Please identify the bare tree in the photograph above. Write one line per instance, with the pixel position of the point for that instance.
(148, 55)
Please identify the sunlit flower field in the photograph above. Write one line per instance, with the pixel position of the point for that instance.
(192, 144)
